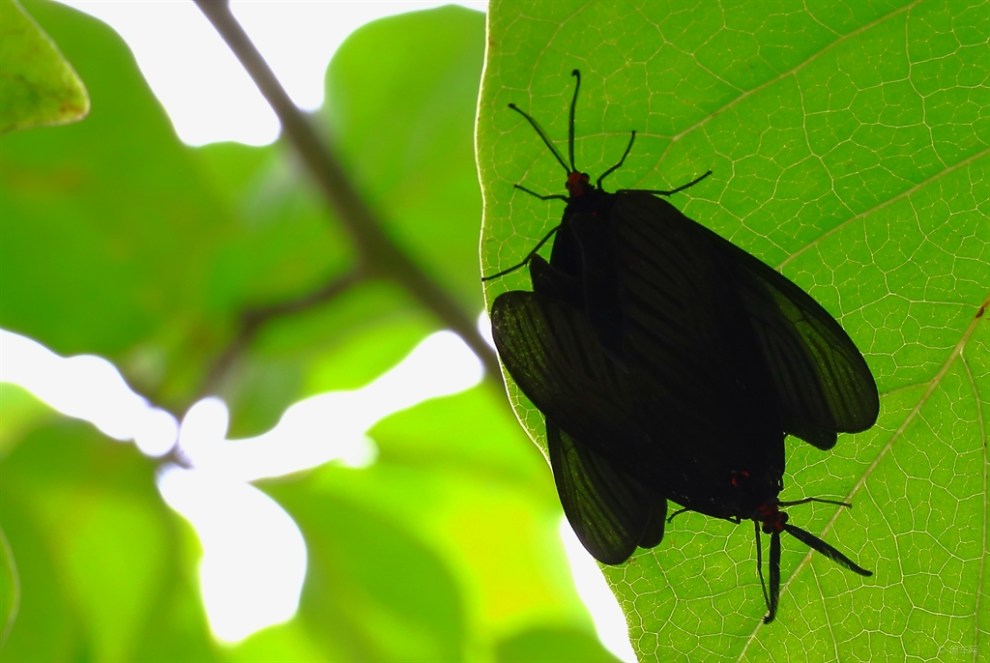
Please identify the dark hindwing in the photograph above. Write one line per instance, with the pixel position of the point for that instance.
(552, 353)
(823, 383)
(611, 512)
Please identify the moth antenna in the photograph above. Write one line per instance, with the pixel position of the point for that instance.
(815, 543)
(570, 126)
(774, 577)
(618, 164)
(552, 196)
(543, 136)
(820, 500)
(667, 192)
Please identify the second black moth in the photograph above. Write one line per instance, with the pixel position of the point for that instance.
(669, 365)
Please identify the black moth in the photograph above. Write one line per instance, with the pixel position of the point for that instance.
(669, 365)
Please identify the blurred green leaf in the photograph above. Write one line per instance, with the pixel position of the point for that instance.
(101, 253)
(47, 626)
(405, 133)
(374, 592)
(21, 413)
(38, 85)
(10, 588)
(448, 496)
(96, 550)
(852, 149)
(457, 470)
(552, 644)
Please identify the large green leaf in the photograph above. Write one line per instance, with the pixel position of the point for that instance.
(851, 148)
(405, 133)
(109, 233)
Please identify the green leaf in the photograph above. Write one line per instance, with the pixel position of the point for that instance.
(38, 85)
(10, 588)
(97, 552)
(373, 592)
(850, 149)
(404, 130)
(104, 256)
(460, 473)
(552, 644)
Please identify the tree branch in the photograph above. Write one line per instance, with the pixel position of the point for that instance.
(253, 320)
(377, 254)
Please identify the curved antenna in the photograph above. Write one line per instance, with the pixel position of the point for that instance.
(619, 163)
(570, 125)
(659, 192)
(570, 128)
(542, 135)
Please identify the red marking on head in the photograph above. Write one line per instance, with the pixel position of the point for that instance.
(578, 184)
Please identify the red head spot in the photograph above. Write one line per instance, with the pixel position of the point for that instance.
(578, 184)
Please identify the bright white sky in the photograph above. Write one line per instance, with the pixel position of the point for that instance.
(198, 80)
(247, 586)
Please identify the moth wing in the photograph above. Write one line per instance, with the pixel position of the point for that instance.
(551, 351)
(820, 381)
(823, 383)
(610, 512)
(678, 327)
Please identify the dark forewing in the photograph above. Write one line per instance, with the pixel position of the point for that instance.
(554, 357)
(821, 384)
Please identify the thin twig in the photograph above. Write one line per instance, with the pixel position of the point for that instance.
(377, 254)
(254, 320)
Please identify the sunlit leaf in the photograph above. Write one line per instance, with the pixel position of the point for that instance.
(481, 497)
(405, 129)
(849, 150)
